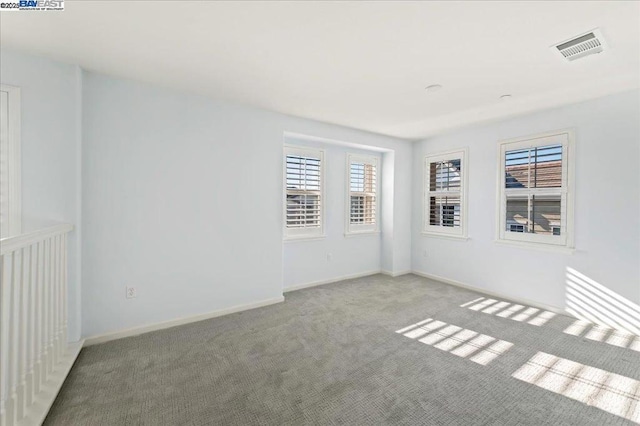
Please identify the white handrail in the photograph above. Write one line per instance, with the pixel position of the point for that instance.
(10, 244)
(33, 320)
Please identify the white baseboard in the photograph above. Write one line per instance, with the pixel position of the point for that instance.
(331, 280)
(134, 331)
(43, 400)
(492, 294)
(395, 274)
(106, 337)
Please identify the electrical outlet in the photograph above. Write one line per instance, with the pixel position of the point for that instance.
(329, 257)
(131, 293)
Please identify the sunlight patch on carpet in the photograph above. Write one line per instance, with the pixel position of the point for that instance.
(513, 311)
(613, 393)
(479, 348)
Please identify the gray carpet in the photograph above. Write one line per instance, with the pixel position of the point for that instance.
(331, 355)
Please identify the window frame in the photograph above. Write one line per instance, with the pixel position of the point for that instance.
(565, 138)
(460, 232)
(354, 228)
(14, 186)
(291, 234)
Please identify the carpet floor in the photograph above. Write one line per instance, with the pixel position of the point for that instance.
(373, 350)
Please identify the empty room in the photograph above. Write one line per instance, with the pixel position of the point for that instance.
(319, 213)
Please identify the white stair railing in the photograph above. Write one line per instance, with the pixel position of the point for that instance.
(33, 323)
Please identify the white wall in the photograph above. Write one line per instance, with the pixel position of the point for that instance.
(306, 261)
(182, 198)
(386, 212)
(402, 213)
(607, 218)
(50, 141)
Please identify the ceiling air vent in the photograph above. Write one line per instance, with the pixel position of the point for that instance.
(581, 46)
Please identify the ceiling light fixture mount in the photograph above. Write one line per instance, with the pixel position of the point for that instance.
(433, 88)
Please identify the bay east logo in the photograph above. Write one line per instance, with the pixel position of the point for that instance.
(32, 5)
(42, 4)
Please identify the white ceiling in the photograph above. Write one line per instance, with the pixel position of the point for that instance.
(359, 64)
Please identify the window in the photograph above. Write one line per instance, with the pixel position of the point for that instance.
(535, 196)
(362, 215)
(304, 193)
(445, 194)
(10, 205)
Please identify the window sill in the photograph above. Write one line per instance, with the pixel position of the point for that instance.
(446, 236)
(360, 233)
(301, 239)
(537, 246)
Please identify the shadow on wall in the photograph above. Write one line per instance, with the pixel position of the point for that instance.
(591, 301)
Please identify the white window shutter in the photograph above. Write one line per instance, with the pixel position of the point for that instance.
(303, 192)
(362, 190)
(534, 188)
(10, 186)
(4, 164)
(444, 194)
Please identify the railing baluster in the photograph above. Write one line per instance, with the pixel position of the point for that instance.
(64, 293)
(50, 312)
(14, 326)
(54, 286)
(61, 268)
(38, 379)
(21, 377)
(31, 305)
(45, 310)
(5, 303)
(13, 337)
(54, 304)
(59, 298)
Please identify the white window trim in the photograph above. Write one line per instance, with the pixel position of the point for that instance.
(565, 137)
(355, 229)
(303, 234)
(14, 214)
(460, 233)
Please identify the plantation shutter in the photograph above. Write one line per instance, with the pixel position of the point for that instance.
(363, 195)
(534, 190)
(303, 212)
(10, 188)
(444, 194)
(4, 164)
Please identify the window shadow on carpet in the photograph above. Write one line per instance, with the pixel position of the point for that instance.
(479, 348)
(512, 311)
(613, 393)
